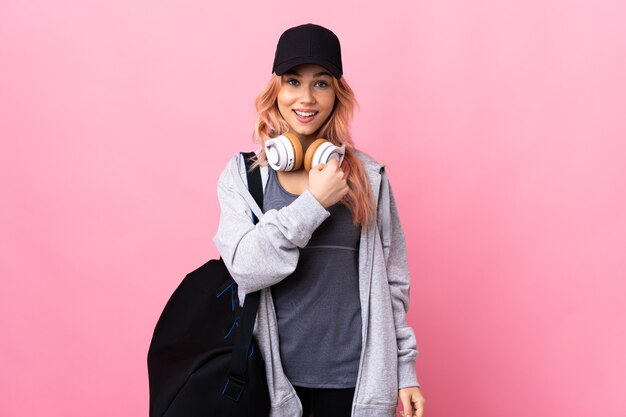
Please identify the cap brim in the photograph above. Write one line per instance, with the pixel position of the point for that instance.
(287, 65)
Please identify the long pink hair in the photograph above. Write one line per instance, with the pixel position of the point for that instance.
(270, 123)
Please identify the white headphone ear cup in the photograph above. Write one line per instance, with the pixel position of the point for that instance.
(275, 154)
(280, 153)
(327, 151)
(341, 152)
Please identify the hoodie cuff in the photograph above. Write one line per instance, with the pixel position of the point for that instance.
(407, 376)
(309, 214)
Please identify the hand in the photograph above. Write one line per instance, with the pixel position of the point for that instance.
(412, 402)
(327, 183)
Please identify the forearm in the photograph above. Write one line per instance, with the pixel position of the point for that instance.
(261, 255)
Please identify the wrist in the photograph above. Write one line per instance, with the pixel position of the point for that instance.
(317, 198)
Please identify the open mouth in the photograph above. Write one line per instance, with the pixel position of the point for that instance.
(305, 116)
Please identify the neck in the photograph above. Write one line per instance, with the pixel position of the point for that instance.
(306, 140)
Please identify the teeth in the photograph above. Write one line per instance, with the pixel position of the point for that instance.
(304, 113)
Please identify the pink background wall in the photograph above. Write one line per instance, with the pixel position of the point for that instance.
(502, 125)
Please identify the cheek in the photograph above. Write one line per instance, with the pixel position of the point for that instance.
(282, 104)
(329, 101)
(285, 98)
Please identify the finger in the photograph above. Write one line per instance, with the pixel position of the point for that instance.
(334, 162)
(319, 166)
(407, 409)
(331, 167)
(419, 410)
(419, 407)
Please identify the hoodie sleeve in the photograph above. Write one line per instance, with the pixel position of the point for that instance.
(258, 256)
(399, 279)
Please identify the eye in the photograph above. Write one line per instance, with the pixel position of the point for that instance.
(322, 84)
(293, 81)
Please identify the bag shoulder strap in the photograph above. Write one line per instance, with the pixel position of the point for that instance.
(237, 373)
(255, 185)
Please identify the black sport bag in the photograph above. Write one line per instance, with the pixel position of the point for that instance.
(203, 359)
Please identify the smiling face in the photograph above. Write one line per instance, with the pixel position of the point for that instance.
(306, 99)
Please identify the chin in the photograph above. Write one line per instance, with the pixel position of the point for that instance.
(310, 133)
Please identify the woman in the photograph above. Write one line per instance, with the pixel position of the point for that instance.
(328, 253)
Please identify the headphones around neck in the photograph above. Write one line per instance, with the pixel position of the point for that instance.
(284, 153)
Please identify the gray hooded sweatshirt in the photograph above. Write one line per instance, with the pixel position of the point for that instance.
(264, 254)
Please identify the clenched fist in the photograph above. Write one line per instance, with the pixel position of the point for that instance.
(327, 183)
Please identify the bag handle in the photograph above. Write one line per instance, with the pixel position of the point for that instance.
(239, 360)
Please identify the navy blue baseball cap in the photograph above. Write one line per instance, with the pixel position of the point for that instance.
(308, 44)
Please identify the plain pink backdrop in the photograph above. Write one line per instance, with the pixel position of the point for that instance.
(502, 125)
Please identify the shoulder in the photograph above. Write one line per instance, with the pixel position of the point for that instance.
(234, 173)
(374, 170)
(231, 166)
(236, 163)
(367, 160)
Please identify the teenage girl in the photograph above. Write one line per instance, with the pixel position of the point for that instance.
(328, 253)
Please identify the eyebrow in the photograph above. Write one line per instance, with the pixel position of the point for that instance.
(315, 75)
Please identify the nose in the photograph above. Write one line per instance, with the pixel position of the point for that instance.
(307, 95)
